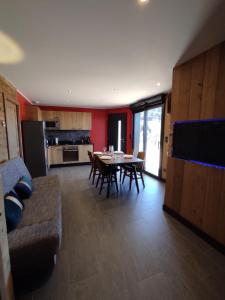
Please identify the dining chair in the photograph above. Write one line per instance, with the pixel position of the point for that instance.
(129, 171)
(94, 169)
(122, 167)
(106, 175)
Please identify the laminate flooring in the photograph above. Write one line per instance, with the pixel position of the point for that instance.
(127, 248)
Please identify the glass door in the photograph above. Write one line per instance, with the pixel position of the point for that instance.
(147, 137)
(153, 140)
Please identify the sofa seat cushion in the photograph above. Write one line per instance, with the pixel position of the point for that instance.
(45, 202)
(32, 247)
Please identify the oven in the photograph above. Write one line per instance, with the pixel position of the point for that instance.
(70, 154)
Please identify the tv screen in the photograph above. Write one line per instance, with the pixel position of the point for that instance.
(201, 141)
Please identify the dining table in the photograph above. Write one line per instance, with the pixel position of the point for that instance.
(121, 160)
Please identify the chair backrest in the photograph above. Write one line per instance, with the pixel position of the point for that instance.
(90, 156)
(101, 167)
(141, 155)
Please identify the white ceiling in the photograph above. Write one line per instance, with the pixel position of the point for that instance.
(109, 53)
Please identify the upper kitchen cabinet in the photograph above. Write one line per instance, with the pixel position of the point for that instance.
(69, 120)
(33, 113)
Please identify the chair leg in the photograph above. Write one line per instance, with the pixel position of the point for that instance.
(91, 172)
(103, 178)
(99, 176)
(142, 178)
(94, 174)
(109, 179)
(136, 180)
(116, 183)
(124, 174)
(131, 178)
(121, 173)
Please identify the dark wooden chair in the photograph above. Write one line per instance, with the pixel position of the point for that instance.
(129, 171)
(122, 168)
(94, 169)
(107, 175)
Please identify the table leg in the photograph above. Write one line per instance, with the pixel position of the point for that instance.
(109, 183)
(136, 180)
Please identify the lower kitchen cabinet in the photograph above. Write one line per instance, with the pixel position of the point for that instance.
(83, 152)
(55, 155)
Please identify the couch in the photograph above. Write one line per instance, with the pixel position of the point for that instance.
(36, 240)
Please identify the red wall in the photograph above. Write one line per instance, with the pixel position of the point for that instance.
(23, 103)
(99, 121)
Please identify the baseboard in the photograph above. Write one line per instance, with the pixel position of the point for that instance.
(69, 165)
(203, 235)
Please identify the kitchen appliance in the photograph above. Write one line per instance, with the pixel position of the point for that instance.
(35, 147)
(70, 154)
(56, 141)
(52, 125)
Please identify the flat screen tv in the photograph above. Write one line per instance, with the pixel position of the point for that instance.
(200, 141)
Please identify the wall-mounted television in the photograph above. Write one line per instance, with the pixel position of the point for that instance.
(200, 141)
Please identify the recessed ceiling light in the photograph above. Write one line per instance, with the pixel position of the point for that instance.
(143, 2)
(158, 83)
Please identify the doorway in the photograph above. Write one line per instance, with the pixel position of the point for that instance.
(117, 131)
(148, 129)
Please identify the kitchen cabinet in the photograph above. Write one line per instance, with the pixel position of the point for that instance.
(83, 152)
(33, 113)
(69, 120)
(55, 155)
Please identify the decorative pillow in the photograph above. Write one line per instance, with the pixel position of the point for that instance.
(13, 210)
(24, 188)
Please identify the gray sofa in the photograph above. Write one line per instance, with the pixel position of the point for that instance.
(35, 241)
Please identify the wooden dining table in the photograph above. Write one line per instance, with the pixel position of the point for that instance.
(120, 161)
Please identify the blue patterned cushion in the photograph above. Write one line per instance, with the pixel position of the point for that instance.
(24, 188)
(13, 210)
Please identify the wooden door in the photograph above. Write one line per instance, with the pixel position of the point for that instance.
(12, 128)
(3, 136)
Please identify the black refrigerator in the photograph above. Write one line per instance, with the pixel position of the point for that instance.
(35, 147)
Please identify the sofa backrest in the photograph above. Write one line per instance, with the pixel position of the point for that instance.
(11, 171)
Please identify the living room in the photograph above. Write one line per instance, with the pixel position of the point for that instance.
(112, 121)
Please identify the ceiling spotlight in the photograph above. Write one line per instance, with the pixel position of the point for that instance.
(158, 84)
(36, 102)
(143, 2)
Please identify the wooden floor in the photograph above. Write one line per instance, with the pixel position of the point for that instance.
(127, 248)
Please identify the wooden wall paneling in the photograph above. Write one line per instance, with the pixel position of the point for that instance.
(193, 193)
(214, 208)
(210, 82)
(174, 183)
(196, 88)
(13, 131)
(8, 88)
(167, 130)
(182, 93)
(219, 108)
(175, 94)
(3, 135)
